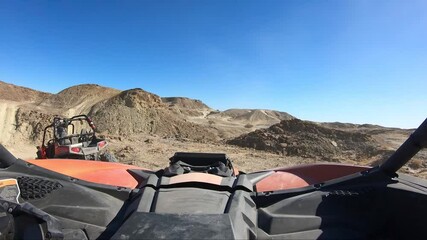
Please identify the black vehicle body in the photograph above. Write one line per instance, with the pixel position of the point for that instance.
(197, 198)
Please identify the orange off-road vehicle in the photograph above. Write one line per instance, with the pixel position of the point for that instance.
(201, 196)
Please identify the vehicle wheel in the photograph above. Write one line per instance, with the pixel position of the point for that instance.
(108, 157)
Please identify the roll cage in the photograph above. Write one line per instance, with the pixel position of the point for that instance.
(65, 123)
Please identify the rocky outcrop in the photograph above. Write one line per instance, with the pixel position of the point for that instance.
(300, 138)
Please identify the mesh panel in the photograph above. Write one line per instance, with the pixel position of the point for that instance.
(36, 188)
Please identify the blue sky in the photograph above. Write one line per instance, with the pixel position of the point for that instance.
(350, 61)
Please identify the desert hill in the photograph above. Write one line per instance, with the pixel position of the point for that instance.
(253, 116)
(337, 142)
(137, 111)
(20, 94)
(145, 129)
(301, 138)
(185, 103)
(190, 108)
(77, 99)
(116, 112)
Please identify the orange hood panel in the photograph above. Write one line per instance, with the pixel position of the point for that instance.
(305, 175)
(114, 174)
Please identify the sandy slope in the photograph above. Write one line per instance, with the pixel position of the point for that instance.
(7, 120)
(13, 141)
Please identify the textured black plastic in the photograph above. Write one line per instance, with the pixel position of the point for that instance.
(35, 187)
(367, 205)
(175, 226)
(6, 158)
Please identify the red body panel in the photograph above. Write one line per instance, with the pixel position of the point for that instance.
(304, 175)
(114, 174)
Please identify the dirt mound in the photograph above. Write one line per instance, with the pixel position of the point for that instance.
(138, 111)
(20, 94)
(305, 139)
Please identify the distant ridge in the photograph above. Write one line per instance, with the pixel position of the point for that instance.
(16, 93)
(256, 115)
(183, 102)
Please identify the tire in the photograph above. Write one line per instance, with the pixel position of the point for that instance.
(108, 157)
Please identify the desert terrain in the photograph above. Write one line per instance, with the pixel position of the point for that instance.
(145, 129)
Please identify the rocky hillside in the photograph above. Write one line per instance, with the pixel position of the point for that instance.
(137, 111)
(305, 139)
(253, 116)
(27, 111)
(139, 118)
(185, 103)
(187, 106)
(77, 99)
(116, 112)
(15, 93)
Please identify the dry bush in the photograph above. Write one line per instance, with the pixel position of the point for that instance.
(416, 164)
